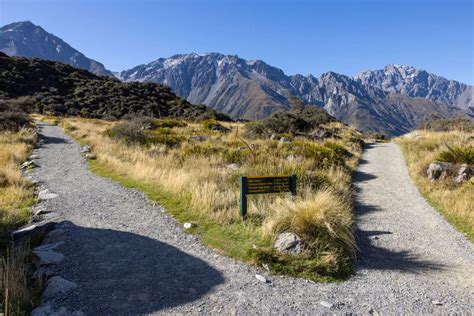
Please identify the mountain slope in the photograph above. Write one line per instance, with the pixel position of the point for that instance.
(414, 82)
(29, 40)
(253, 90)
(53, 87)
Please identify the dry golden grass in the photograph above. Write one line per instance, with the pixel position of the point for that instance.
(198, 172)
(16, 193)
(456, 202)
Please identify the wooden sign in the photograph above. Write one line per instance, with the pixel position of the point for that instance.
(264, 185)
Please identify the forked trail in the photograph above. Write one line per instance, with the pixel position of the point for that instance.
(128, 257)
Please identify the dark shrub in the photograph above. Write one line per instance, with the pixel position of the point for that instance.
(300, 120)
(128, 132)
(439, 124)
(14, 121)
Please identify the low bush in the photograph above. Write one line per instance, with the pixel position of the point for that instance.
(457, 154)
(128, 132)
(438, 124)
(301, 120)
(14, 121)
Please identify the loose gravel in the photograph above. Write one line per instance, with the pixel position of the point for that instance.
(129, 257)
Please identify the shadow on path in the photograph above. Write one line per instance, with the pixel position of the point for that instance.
(124, 273)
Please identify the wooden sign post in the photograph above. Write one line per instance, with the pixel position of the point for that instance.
(264, 185)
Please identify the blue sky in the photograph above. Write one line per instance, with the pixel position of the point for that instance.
(296, 36)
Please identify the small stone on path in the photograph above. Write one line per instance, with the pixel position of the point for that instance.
(326, 304)
(261, 278)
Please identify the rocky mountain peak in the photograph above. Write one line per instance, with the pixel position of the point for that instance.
(26, 39)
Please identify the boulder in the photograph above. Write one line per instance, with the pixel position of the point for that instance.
(464, 173)
(56, 286)
(289, 243)
(284, 140)
(46, 257)
(86, 149)
(438, 170)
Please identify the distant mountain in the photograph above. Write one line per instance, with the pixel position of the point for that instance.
(29, 40)
(393, 100)
(60, 89)
(254, 89)
(414, 82)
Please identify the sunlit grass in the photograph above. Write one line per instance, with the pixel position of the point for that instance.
(194, 182)
(455, 202)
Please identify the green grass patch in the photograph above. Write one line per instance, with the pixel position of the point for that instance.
(239, 240)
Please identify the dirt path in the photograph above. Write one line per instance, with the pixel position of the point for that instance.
(128, 257)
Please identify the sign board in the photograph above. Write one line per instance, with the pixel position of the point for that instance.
(264, 185)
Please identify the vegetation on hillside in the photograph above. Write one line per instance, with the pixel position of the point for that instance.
(16, 194)
(439, 124)
(193, 171)
(301, 119)
(59, 89)
(421, 148)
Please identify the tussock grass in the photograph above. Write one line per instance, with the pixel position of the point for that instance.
(193, 180)
(16, 194)
(455, 202)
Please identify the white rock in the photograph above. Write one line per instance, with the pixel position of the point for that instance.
(326, 304)
(187, 225)
(27, 164)
(46, 195)
(57, 285)
(233, 166)
(438, 170)
(261, 278)
(46, 257)
(436, 302)
(289, 243)
(86, 149)
(41, 211)
(90, 156)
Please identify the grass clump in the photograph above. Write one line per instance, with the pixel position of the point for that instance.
(194, 181)
(457, 154)
(453, 201)
(18, 295)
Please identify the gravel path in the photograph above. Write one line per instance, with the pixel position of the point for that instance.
(128, 257)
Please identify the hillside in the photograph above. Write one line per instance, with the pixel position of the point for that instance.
(26, 39)
(60, 89)
(254, 89)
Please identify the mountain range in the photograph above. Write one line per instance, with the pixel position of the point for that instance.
(392, 101)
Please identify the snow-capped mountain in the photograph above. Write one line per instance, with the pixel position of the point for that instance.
(393, 100)
(414, 82)
(29, 40)
(254, 89)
